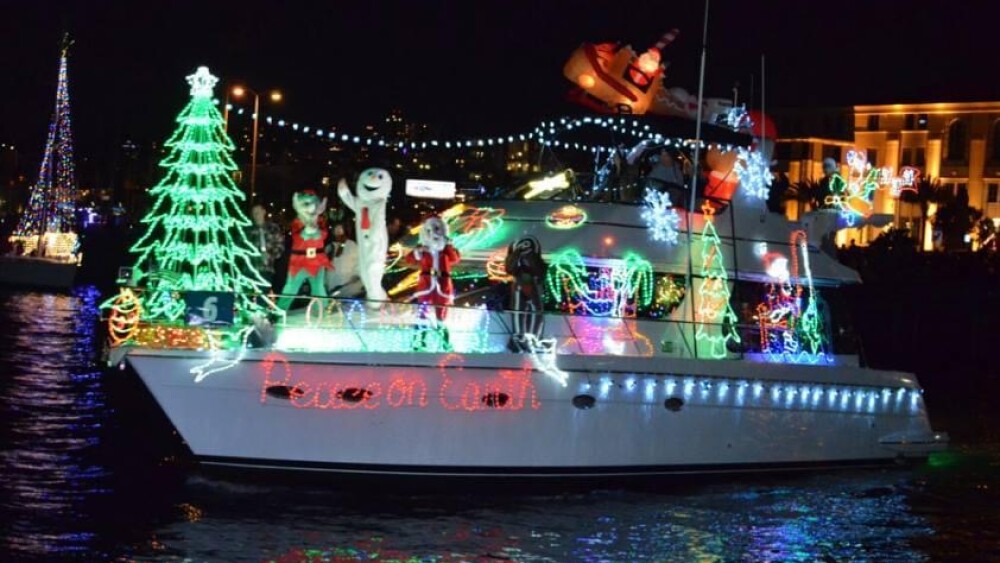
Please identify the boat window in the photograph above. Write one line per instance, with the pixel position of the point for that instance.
(839, 302)
(633, 291)
(621, 175)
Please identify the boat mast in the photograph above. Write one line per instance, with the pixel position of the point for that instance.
(763, 116)
(694, 172)
(50, 200)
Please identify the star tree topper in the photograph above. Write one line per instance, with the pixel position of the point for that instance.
(202, 83)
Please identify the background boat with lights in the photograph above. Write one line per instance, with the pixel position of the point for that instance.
(44, 248)
(669, 340)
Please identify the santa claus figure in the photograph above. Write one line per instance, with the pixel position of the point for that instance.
(435, 257)
(779, 312)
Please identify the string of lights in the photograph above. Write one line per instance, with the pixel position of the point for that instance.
(545, 133)
(52, 204)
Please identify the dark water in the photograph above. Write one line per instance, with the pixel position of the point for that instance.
(78, 479)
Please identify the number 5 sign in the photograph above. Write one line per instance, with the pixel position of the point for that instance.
(209, 307)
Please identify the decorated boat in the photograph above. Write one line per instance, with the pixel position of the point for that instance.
(569, 327)
(44, 248)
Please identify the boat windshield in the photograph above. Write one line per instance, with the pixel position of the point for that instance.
(620, 176)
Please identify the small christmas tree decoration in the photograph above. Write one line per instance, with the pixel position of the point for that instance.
(195, 238)
(716, 321)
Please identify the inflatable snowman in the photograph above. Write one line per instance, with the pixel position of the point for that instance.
(368, 205)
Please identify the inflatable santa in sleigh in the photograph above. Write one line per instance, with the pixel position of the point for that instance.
(612, 78)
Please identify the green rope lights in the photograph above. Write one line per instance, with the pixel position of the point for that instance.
(810, 333)
(475, 228)
(716, 321)
(195, 237)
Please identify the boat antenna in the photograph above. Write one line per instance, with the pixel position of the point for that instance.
(65, 44)
(694, 168)
(763, 116)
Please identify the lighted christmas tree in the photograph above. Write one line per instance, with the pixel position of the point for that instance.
(716, 321)
(52, 204)
(195, 239)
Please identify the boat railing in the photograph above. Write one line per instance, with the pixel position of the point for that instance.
(335, 324)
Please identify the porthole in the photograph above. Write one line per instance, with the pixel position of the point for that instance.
(673, 404)
(495, 400)
(283, 391)
(354, 395)
(584, 402)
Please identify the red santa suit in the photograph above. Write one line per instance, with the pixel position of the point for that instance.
(307, 254)
(434, 286)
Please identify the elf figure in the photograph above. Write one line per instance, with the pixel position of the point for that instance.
(308, 261)
(435, 257)
(525, 266)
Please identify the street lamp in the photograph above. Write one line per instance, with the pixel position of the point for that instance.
(275, 95)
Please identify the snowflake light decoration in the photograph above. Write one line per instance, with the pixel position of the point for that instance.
(754, 172)
(660, 216)
(737, 118)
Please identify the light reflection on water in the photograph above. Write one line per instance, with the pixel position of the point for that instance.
(53, 411)
(847, 516)
(71, 485)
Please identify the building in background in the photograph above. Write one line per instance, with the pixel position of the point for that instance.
(955, 143)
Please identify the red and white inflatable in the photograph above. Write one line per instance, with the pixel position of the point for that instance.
(435, 257)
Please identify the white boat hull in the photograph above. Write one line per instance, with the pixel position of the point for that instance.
(491, 414)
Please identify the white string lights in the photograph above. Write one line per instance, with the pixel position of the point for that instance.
(546, 133)
(754, 172)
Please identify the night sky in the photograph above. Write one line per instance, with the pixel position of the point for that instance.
(467, 67)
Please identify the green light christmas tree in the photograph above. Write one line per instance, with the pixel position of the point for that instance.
(716, 321)
(196, 235)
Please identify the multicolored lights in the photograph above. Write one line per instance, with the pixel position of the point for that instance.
(474, 228)
(789, 331)
(615, 290)
(566, 217)
(195, 237)
(853, 195)
(52, 205)
(123, 321)
(908, 176)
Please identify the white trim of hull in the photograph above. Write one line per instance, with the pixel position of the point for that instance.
(500, 473)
